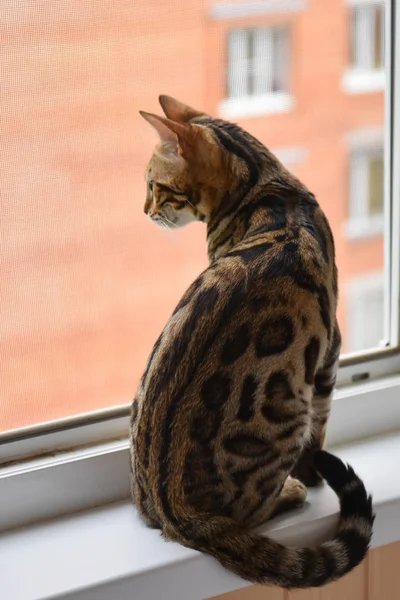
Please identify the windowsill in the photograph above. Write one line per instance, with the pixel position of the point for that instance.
(107, 553)
(256, 106)
(221, 11)
(360, 229)
(362, 81)
(73, 471)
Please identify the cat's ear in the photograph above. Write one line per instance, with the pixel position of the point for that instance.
(178, 111)
(166, 134)
(177, 136)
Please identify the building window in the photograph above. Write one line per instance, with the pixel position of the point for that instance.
(257, 74)
(367, 47)
(368, 33)
(365, 312)
(257, 61)
(366, 192)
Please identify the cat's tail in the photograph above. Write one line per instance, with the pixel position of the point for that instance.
(261, 560)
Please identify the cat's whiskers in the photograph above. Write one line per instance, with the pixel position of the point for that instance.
(169, 222)
(191, 204)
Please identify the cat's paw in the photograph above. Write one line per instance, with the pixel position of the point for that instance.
(294, 492)
(293, 495)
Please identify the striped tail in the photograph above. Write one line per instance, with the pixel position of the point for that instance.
(261, 560)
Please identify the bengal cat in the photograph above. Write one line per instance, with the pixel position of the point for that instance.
(237, 391)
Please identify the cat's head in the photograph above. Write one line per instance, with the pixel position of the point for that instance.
(187, 175)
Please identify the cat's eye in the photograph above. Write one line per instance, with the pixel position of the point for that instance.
(151, 186)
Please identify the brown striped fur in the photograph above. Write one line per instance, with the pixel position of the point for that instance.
(236, 393)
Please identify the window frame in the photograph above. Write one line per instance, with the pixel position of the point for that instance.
(363, 145)
(259, 41)
(137, 563)
(357, 293)
(257, 104)
(83, 461)
(361, 80)
(373, 7)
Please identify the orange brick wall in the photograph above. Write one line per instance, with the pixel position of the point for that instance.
(87, 281)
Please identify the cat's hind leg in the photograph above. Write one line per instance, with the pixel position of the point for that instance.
(293, 495)
(324, 383)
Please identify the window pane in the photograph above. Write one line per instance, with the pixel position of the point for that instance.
(263, 72)
(366, 40)
(375, 196)
(281, 60)
(359, 191)
(257, 61)
(365, 312)
(379, 37)
(366, 190)
(87, 281)
(239, 65)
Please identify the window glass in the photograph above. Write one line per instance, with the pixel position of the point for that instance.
(367, 34)
(365, 306)
(87, 281)
(366, 193)
(375, 185)
(257, 61)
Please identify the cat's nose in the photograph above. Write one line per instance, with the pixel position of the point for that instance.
(147, 207)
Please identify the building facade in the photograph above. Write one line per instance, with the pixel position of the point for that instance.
(87, 280)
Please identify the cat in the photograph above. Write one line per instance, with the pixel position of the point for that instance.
(229, 420)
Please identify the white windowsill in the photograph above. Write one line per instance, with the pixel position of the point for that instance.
(221, 11)
(65, 481)
(359, 229)
(360, 2)
(291, 155)
(363, 81)
(107, 553)
(256, 106)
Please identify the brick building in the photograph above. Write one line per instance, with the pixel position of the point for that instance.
(320, 106)
(87, 281)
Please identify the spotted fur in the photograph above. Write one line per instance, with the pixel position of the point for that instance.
(236, 394)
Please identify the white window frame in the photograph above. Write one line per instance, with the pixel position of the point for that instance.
(62, 467)
(291, 155)
(357, 291)
(359, 80)
(240, 67)
(362, 145)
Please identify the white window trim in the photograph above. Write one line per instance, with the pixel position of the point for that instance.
(254, 8)
(108, 553)
(364, 227)
(361, 2)
(363, 81)
(262, 101)
(291, 155)
(365, 139)
(256, 106)
(356, 290)
(392, 170)
(364, 283)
